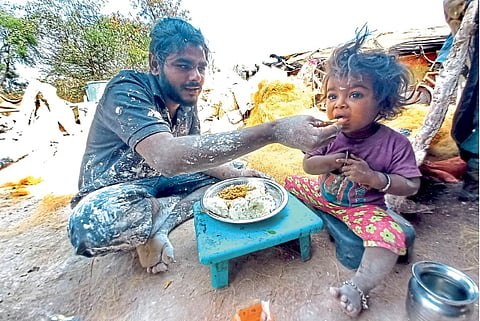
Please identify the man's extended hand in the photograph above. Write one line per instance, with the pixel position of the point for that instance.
(304, 132)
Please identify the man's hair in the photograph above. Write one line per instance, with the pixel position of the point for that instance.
(173, 35)
(389, 78)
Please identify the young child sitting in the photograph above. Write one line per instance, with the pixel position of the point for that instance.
(365, 161)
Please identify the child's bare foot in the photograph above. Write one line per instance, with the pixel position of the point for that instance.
(352, 299)
(376, 263)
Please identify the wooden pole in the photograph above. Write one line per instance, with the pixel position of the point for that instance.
(445, 84)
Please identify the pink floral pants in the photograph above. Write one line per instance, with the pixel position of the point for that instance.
(371, 223)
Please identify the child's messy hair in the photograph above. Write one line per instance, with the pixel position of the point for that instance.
(389, 78)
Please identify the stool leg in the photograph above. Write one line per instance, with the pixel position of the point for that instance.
(219, 272)
(305, 247)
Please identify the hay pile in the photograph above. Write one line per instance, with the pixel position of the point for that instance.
(276, 99)
(273, 100)
(442, 146)
(277, 161)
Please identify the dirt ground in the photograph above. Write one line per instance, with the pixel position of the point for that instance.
(41, 279)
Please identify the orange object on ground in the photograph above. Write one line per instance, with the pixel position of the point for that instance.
(20, 188)
(257, 312)
(29, 180)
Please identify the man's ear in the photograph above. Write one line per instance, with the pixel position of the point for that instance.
(154, 65)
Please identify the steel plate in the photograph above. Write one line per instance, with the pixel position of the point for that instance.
(277, 191)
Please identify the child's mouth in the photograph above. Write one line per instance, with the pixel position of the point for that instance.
(340, 120)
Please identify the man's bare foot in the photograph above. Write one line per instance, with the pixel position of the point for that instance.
(156, 254)
(350, 299)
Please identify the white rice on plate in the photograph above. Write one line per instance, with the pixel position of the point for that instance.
(258, 202)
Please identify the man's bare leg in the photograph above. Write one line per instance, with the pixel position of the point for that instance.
(376, 263)
(157, 253)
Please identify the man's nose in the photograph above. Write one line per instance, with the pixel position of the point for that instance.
(196, 74)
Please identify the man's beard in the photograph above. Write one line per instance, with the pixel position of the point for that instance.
(172, 93)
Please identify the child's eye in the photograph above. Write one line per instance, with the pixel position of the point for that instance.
(356, 95)
(331, 97)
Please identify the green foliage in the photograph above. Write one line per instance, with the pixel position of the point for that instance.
(18, 41)
(70, 89)
(152, 10)
(77, 43)
(99, 50)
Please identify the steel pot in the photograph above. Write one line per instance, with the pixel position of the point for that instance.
(438, 292)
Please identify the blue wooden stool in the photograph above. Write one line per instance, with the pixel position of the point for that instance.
(218, 242)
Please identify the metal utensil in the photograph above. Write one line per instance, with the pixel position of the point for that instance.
(278, 192)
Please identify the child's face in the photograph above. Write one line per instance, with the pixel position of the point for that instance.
(352, 100)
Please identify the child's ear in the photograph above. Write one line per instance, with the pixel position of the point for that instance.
(154, 65)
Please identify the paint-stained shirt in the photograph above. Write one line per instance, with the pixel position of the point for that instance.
(386, 151)
(131, 109)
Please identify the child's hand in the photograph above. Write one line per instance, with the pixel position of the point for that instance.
(339, 162)
(357, 170)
